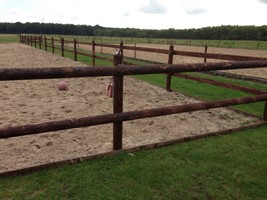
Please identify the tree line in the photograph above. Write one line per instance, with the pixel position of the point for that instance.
(206, 33)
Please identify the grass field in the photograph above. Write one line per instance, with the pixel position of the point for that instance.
(6, 38)
(224, 167)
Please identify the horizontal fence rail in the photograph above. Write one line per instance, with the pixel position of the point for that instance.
(216, 56)
(221, 84)
(72, 72)
(126, 116)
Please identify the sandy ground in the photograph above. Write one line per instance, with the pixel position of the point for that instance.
(26, 102)
(260, 72)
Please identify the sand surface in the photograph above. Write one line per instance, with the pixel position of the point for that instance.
(260, 72)
(27, 102)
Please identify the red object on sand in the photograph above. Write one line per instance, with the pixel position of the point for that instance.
(109, 90)
(62, 85)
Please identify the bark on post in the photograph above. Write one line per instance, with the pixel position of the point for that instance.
(135, 51)
(45, 44)
(206, 50)
(101, 45)
(53, 45)
(117, 105)
(170, 61)
(75, 49)
(62, 47)
(35, 42)
(121, 50)
(40, 42)
(93, 50)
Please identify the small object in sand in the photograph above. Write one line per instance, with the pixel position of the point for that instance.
(62, 85)
(109, 90)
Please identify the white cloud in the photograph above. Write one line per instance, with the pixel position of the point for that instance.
(263, 1)
(154, 7)
(195, 11)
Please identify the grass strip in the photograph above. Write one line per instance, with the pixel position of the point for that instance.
(225, 167)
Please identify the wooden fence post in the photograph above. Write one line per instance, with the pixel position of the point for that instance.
(206, 50)
(62, 47)
(45, 43)
(121, 50)
(170, 61)
(93, 51)
(135, 50)
(40, 42)
(117, 105)
(101, 45)
(53, 45)
(75, 49)
(35, 43)
(28, 40)
(31, 40)
(265, 112)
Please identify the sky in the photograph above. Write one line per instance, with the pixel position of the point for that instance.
(144, 14)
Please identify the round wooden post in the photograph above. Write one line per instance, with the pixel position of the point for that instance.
(135, 51)
(93, 50)
(45, 44)
(62, 47)
(117, 105)
(170, 61)
(35, 42)
(53, 45)
(75, 49)
(40, 42)
(206, 50)
(121, 50)
(101, 45)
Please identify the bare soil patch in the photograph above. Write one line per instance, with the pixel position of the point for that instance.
(27, 102)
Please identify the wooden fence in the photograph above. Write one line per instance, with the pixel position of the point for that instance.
(60, 45)
(118, 71)
(33, 40)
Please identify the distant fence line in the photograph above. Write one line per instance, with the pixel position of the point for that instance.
(60, 44)
(33, 40)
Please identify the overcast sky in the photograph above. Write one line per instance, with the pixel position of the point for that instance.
(147, 14)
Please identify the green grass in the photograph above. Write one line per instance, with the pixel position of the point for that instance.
(6, 38)
(224, 167)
